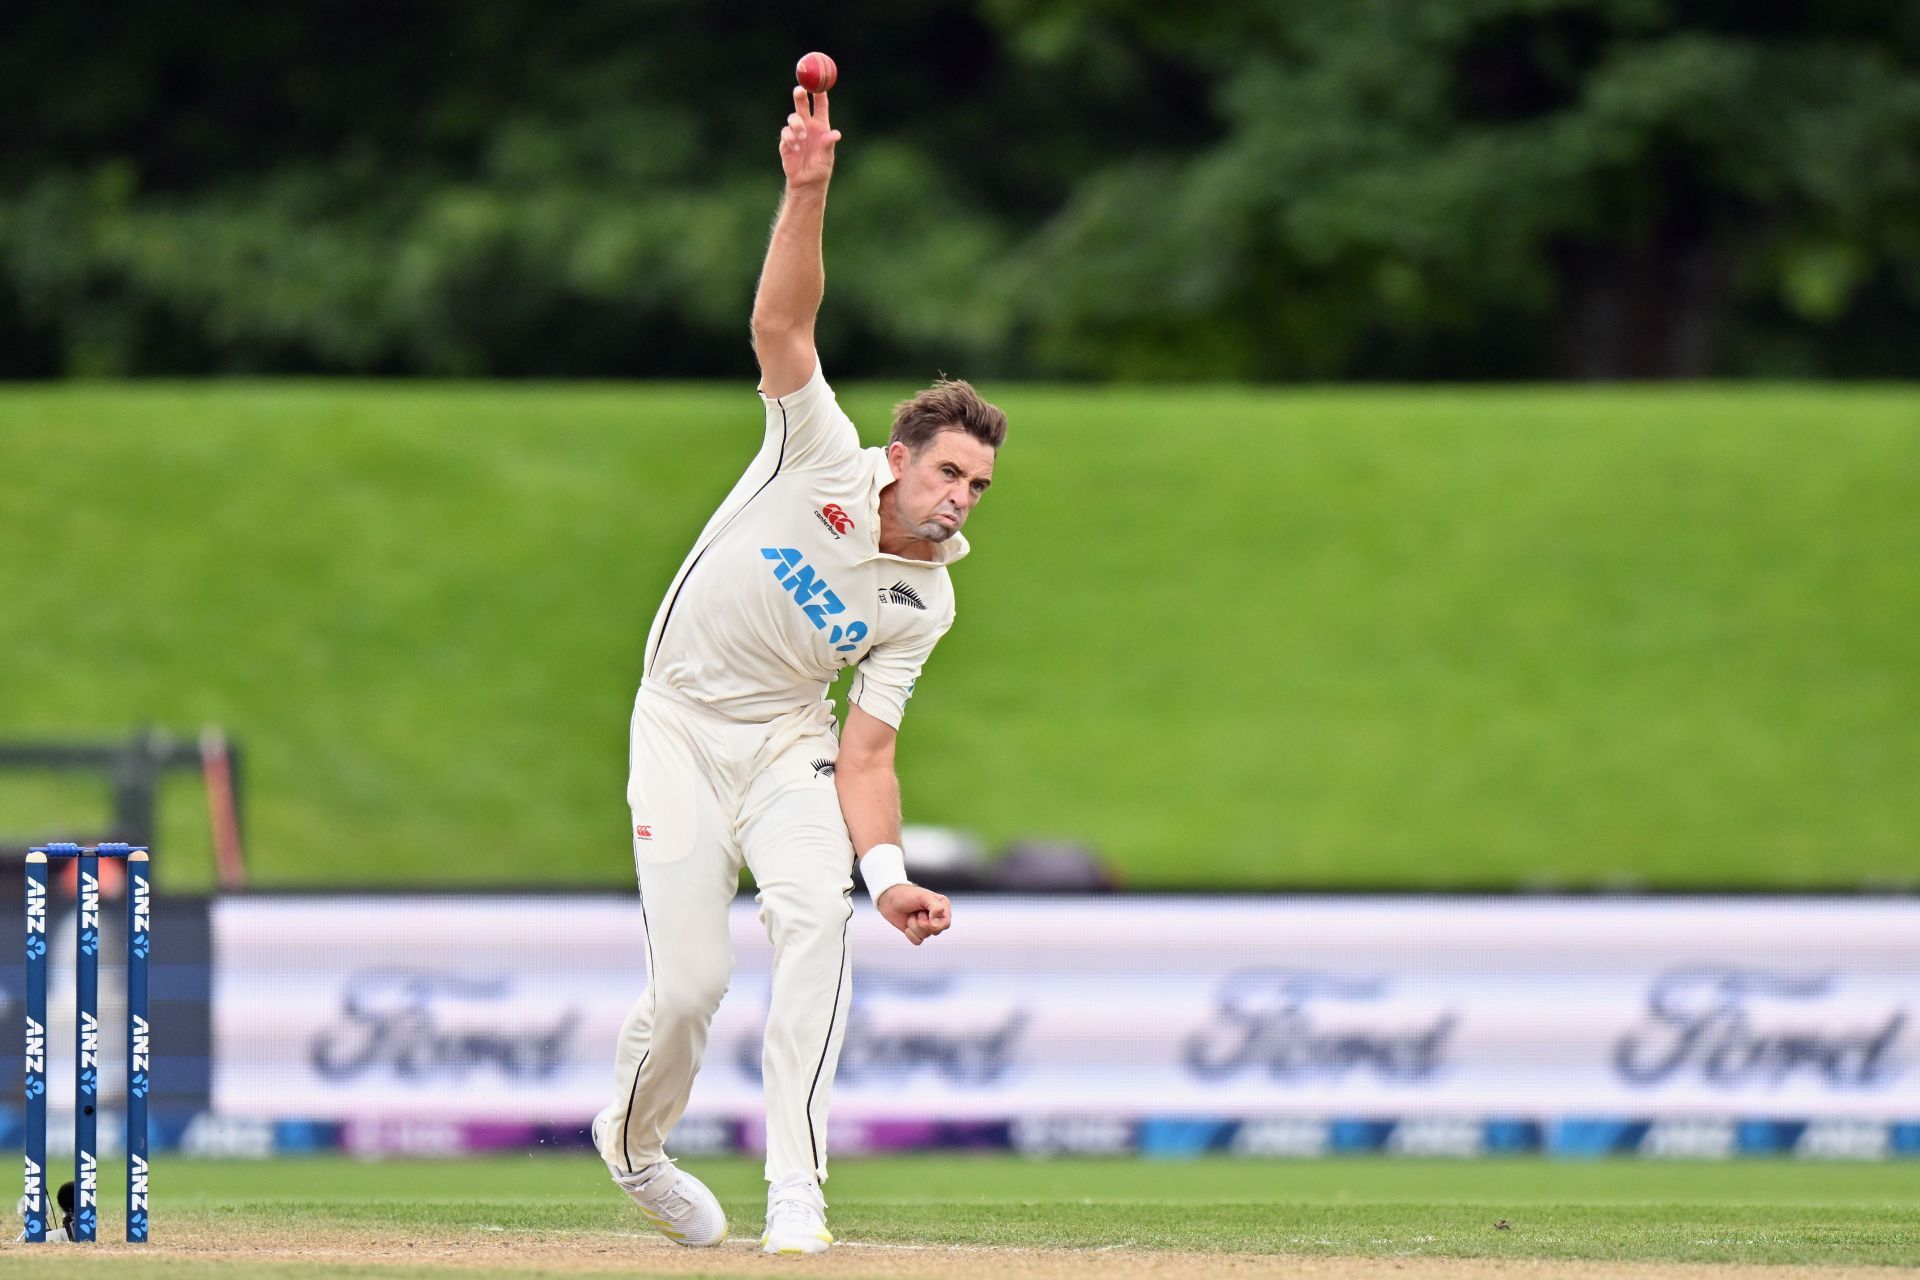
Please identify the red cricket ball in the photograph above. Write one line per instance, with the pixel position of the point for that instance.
(816, 73)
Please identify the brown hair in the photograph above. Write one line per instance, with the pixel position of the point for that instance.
(948, 403)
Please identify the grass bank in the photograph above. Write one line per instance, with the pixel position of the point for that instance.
(1229, 636)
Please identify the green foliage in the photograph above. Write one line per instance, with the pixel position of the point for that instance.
(1229, 638)
(1623, 181)
(1263, 189)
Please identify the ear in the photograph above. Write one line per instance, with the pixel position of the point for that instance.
(898, 456)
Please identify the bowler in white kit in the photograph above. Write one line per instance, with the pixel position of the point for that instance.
(825, 555)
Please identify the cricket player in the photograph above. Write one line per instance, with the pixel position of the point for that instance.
(824, 556)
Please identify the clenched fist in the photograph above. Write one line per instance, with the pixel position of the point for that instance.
(918, 913)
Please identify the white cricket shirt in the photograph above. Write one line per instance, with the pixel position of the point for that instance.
(787, 584)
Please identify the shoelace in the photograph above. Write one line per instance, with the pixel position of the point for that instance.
(794, 1215)
(668, 1199)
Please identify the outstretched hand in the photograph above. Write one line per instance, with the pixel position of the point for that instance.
(806, 144)
(918, 913)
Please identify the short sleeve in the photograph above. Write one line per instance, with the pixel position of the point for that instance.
(808, 427)
(884, 680)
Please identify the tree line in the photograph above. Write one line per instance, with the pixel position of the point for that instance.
(1260, 189)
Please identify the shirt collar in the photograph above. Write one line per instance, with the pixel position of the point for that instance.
(945, 553)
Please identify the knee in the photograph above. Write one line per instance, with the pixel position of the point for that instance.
(688, 999)
(802, 915)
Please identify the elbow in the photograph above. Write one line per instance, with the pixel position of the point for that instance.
(779, 339)
(766, 325)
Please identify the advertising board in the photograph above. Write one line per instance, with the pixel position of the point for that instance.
(1270, 1025)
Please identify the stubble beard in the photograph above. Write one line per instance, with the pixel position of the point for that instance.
(933, 531)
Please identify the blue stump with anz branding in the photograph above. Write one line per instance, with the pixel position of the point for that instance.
(81, 1213)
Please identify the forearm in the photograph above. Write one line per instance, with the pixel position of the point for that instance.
(869, 793)
(794, 278)
(870, 803)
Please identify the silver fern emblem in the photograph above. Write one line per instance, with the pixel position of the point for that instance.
(901, 593)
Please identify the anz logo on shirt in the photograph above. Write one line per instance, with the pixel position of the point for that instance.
(815, 598)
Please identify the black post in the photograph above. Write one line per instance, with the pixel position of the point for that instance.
(136, 785)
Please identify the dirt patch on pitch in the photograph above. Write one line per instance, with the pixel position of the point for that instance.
(566, 1253)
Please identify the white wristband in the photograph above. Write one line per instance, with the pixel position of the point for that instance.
(882, 867)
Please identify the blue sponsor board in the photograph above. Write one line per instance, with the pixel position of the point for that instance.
(1163, 1137)
(1183, 1136)
(1572, 1138)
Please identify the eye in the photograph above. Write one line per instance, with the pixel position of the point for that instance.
(949, 473)
(979, 486)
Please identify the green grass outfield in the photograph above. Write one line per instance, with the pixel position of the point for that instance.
(1755, 1212)
(1414, 638)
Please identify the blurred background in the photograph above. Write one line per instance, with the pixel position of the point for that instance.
(1446, 633)
(1467, 189)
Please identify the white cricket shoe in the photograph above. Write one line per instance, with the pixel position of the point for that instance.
(796, 1219)
(671, 1199)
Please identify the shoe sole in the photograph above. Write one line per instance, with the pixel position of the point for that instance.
(790, 1251)
(677, 1237)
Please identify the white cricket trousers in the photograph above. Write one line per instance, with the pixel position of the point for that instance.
(709, 794)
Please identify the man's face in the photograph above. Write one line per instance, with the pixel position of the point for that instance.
(936, 489)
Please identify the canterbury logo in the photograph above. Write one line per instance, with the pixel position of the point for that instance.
(835, 517)
(901, 593)
(643, 832)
